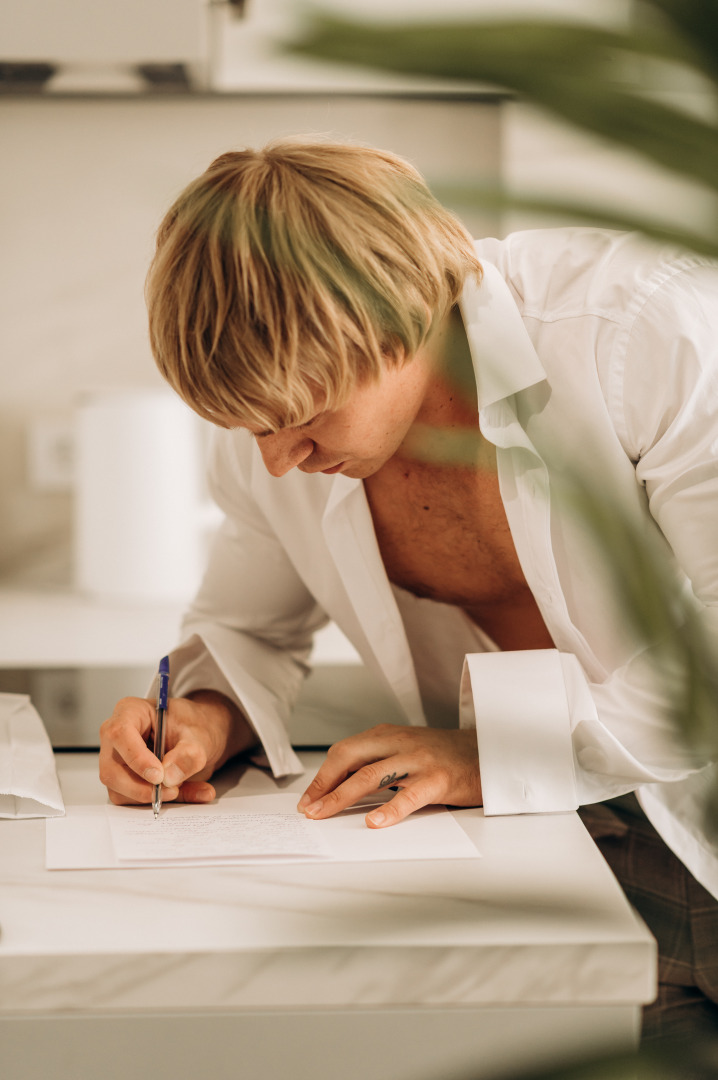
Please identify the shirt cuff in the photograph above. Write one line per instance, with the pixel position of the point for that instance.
(519, 704)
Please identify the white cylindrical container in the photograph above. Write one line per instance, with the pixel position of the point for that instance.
(138, 513)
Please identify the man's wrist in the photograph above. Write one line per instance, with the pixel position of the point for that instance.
(232, 733)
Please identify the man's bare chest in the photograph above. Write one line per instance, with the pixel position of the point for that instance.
(443, 533)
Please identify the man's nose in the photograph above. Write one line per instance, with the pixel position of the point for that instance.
(283, 450)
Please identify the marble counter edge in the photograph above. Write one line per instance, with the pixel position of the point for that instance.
(341, 976)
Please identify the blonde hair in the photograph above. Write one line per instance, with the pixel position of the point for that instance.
(284, 277)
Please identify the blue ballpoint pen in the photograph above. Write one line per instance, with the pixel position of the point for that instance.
(159, 747)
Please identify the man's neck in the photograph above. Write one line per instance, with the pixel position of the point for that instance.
(447, 424)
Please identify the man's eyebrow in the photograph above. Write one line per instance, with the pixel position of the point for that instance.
(273, 431)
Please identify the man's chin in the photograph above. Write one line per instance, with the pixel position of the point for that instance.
(361, 470)
(355, 470)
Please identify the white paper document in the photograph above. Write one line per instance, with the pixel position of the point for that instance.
(247, 830)
(177, 834)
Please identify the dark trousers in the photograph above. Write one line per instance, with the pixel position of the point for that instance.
(680, 913)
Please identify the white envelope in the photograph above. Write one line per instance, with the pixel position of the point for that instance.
(28, 780)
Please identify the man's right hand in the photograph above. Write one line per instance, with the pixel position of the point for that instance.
(201, 733)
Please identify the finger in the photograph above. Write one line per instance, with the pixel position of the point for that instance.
(189, 792)
(367, 780)
(184, 761)
(168, 795)
(131, 792)
(327, 779)
(121, 780)
(127, 745)
(405, 802)
(121, 800)
(193, 791)
(348, 755)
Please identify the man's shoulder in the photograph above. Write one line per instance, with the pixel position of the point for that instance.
(580, 245)
(563, 272)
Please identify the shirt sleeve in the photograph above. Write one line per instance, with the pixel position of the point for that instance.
(249, 630)
(670, 416)
(548, 736)
(665, 409)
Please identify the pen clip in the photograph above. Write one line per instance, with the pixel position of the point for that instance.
(164, 677)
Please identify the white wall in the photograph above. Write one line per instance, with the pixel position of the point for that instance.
(545, 157)
(101, 31)
(248, 52)
(84, 185)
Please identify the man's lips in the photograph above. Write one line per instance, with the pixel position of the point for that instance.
(303, 467)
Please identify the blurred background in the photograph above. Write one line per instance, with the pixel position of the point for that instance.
(106, 112)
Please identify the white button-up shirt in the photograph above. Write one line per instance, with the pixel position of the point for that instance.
(596, 361)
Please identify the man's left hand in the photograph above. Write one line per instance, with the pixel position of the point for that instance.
(431, 766)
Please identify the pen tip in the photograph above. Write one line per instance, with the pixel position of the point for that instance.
(156, 814)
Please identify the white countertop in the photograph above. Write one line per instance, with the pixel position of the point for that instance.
(538, 919)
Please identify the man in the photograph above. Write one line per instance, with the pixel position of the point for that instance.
(316, 304)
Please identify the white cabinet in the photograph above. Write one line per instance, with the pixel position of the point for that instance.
(76, 657)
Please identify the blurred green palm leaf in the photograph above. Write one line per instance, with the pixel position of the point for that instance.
(584, 75)
(489, 197)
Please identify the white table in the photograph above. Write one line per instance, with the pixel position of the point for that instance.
(423, 970)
